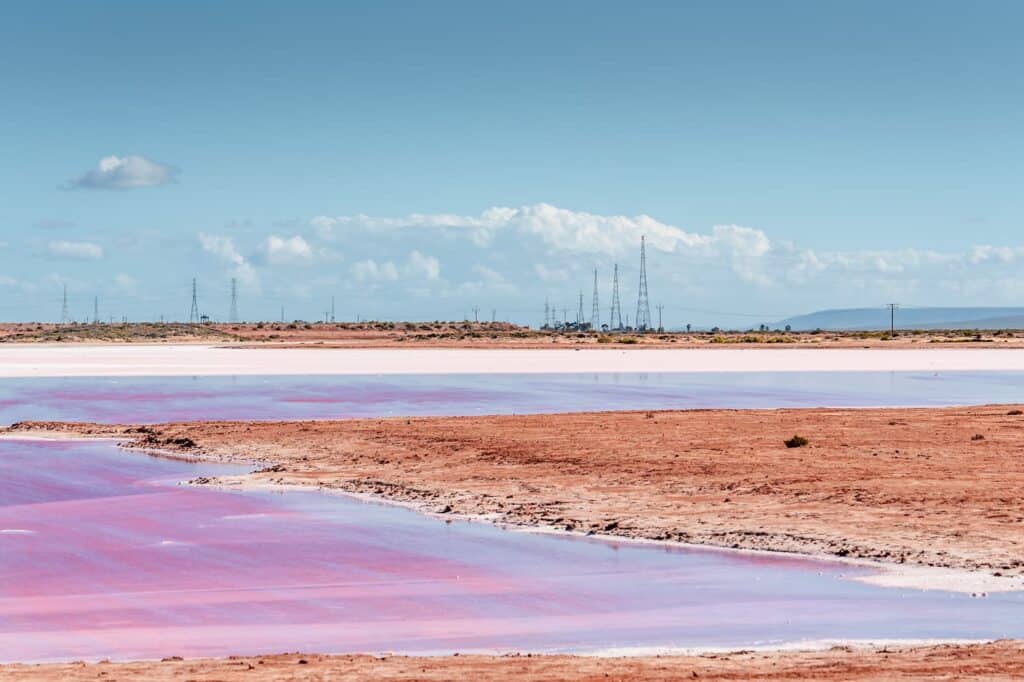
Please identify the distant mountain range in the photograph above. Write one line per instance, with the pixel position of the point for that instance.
(907, 318)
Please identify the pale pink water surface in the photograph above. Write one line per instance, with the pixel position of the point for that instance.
(103, 555)
(156, 399)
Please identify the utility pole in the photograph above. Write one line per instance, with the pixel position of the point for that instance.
(95, 309)
(233, 314)
(193, 313)
(65, 315)
(579, 312)
(332, 310)
(476, 313)
(547, 314)
(643, 308)
(494, 315)
(595, 310)
(282, 314)
(892, 317)
(565, 317)
(660, 308)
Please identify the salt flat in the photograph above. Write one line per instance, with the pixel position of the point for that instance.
(33, 360)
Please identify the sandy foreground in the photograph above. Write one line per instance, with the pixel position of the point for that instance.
(935, 494)
(57, 360)
(994, 661)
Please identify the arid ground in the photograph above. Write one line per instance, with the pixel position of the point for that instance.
(480, 335)
(995, 661)
(924, 487)
(939, 492)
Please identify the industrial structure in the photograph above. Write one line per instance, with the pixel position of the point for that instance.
(193, 313)
(233, 314)
(643, 322)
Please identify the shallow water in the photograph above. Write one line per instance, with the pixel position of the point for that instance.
(102, 555)
(184, 398)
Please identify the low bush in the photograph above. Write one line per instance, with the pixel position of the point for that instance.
(796, 442)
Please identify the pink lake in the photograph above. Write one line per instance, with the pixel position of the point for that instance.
(102, 555)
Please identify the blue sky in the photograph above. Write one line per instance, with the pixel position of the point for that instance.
(418, 159)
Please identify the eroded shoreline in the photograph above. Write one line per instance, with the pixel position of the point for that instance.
(915, 490)
(1003, 660)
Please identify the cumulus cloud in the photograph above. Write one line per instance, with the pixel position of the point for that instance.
(748, 252)
(554, 241)
(418, 266)
(286, 250)
(82, 250)
(124, 172)
(556, 227)
(224, 249)
(422, 265)
(549, 274)
(370, 270)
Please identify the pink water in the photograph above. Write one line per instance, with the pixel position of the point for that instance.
(155, 399)
(103, 555)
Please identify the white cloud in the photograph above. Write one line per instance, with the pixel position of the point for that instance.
(224, 249)
(558, 240)
(417, 266)
(423, 265)
(371, 271)
(547, 274)
(488, 275)
(124, 172)
(556, 227)
(83, 250)
(285, 250)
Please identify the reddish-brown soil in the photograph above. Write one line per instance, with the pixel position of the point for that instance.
(936, 487)
(995, 661)
(477, 335)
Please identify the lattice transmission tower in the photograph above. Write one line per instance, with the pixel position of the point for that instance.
(595, 310)
(65, 314)
(643, 307)
(615, 319)
(579, 312)
(193, 313)
(233, 314)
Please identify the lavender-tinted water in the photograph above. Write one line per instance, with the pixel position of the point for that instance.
(102, 555)
(185, 398)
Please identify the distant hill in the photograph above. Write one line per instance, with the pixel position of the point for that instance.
(907, 318)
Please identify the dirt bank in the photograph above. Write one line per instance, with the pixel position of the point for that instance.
(479, 335)
(996, 661)
(917, 487)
